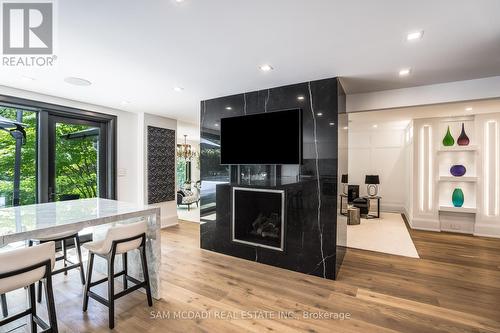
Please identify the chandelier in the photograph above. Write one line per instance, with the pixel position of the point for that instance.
(185, 151)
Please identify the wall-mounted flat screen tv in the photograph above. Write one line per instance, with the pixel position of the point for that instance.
(263, 138)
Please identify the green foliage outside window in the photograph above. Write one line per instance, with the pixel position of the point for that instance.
(28, 160)
(76, 161)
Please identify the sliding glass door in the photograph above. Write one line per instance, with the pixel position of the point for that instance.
(77, 159)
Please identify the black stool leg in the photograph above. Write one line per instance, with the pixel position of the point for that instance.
(32, 303)
(89, 280)
(39, 296)
(51, 308)
(111, 291)
(124, 257)
(65, 255)
(79, 252)
(5, 311)
(146, 275)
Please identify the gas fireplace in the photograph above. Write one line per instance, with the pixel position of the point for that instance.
(258, 217)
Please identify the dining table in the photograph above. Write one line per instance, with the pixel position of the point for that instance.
(22, 223)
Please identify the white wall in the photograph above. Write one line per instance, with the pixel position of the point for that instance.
(425, 95)
(130, 146)
(380, 152)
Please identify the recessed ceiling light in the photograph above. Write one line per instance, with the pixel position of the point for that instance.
(319, 114)
(331, 124)
(179, 0)
(375, 126)
(77, 81)
(266, 68)
(345, 127)
(415, 35)
(300, 98)
(178, 88)
(405, 72)
(216, 125)
(468, 109)
(228, 108)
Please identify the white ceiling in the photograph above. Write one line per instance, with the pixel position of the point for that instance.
(137, 51)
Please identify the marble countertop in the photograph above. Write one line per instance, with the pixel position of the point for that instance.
(24, 222)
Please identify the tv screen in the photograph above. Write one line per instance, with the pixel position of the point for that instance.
(264, 138)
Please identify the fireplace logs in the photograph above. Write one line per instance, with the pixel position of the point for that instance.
(265, 226)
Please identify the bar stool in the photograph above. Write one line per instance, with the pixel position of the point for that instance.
(3, 298)
(118, 240)
(23, 268)
(62, 237)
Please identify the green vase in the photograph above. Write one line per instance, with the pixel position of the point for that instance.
(458, 197)
(448, 140)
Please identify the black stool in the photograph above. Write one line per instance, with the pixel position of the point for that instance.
(108, 249)
(64, 239)
(23, 268)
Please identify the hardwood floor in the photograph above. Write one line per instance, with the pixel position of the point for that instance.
(453, 287)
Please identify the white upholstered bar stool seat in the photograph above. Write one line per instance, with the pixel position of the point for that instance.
(23, 268)
(118, 240)
(122, 231)
(59, 235)
(25, 257)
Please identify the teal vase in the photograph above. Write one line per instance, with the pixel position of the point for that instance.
(458, 197)
(448, 140)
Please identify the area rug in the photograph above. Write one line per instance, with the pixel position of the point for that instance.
(387, 234)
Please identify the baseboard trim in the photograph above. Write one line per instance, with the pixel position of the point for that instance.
(487, 230)
(391, 208)
(169, 221)
(425, 224)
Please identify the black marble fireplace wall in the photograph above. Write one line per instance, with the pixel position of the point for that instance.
(315, 233)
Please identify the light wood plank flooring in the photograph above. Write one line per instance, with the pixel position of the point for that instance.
(453, 287)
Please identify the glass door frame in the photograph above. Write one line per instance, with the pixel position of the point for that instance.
(55, 119)
(48, 110)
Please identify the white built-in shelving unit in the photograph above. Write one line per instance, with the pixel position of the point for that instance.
(431, 183)
(447, 183)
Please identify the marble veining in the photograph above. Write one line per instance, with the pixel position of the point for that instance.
(245, 105)
(316, 160)
(267, 99)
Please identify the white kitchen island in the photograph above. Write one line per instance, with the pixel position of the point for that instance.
(32, 221)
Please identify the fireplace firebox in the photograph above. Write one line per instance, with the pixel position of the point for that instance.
(259, 217)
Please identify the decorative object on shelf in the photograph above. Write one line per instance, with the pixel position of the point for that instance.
(448, 140)
(372, 181)
(463, 139)
(458, 170)
(344, 181)
(458, 197)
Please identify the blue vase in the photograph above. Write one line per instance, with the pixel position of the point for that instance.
(458, 197)
(458, 170)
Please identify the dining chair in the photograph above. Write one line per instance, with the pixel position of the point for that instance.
(22, 268)
(65, 238)
(119, 240)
